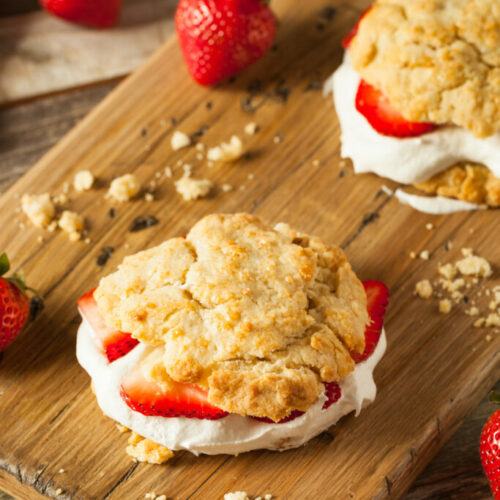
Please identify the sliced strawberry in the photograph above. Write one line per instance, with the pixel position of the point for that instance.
(346, 41)
(332, 393)
(178, 400)
(114, 343)
(386, 120)
(293, 415)
(377, 295)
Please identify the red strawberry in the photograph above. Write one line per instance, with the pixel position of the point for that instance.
(346, 41)
(178, 400)
(115, 344)
(95, 13)
(14, 305)
(377, 295)
(219, 38)
(489, 449)
(332, 393)
(386, 120)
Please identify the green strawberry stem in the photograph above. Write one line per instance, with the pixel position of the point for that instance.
(17, 279)
(495, 397)
(4, 264)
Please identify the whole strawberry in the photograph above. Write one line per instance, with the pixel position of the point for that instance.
(489, 449)
(219, 38)
(14, 305)
(94, 13)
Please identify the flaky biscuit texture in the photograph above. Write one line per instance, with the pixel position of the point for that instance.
(467, 182)
(260, 317)
(435, 60)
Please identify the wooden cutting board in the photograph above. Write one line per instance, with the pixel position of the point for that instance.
(436, 368)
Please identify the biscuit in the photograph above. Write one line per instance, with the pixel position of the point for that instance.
(259, 317)
(435, 60)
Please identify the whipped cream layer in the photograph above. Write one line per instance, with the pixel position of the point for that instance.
(407, 160)
(232, 434)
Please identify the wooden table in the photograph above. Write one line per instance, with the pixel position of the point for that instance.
(44, 92)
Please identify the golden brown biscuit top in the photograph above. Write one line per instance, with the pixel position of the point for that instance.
(258, 316)
(435, 60)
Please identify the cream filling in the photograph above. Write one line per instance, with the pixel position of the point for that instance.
(230, 435)
(408, 160)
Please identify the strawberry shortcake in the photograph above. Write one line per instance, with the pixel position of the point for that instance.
(237, 337)
(418, 99)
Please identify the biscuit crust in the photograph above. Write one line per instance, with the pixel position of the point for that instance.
(259, 316)
(468, 182)
(435, 60)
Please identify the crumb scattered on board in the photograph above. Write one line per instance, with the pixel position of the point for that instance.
(192, 189)
(124, 188)
(180, 140)
(461, 284)
(145, 450)
(226, 151)
(243, 495)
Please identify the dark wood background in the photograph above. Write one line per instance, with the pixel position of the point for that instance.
(28, 128)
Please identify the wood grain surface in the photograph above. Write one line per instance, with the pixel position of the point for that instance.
(384, 450)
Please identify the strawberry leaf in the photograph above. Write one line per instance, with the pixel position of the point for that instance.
(4, 264)
(495, 397)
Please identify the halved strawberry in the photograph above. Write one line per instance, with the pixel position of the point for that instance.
(377, 295)
(386, 120)
(346, 41)
(178, 400)
(114, 343)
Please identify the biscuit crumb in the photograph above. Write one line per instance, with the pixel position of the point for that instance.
(39, 209)
(251, 128)
(429, 226)
(149, 197)
(72, 224)
(124, 188)
(60, 199)
(479, 323)
(227, 151)
(444, 306)
(227, 187)
(472, 265)
(179, 140)
(168, 172)
(58, 492)
(413, 255)
(187, 169)
(192, 189)
(237, 495)
(61, 471)
(83, 180)
(472, 311)
(424, 289)
(493, 319)
(424, 255)
(145, 450)
(448, 271)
